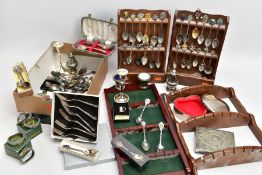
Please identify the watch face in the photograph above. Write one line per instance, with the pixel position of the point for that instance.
(16, 139)
(31, 122)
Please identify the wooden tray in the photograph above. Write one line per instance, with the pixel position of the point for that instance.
(158, 75)
(171, 161)
(230, 156)
(193, 76)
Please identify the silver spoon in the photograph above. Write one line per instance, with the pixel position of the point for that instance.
(208, 40)
(146, 37)
(186, 36)
(201, 37)
(132, 35)
(67, 106)
(158, 63)
(208, 69)
(138, 59)
(160, 38)
(144, 59)
(90, 152)
(125, 33)
(69, 119)
(63, 98)
(78, 116)
(129, 58)
(82, 71)
(125, 57)
(64, 134)
(139, 119)
(195, 32)
(215, 42)
(179, 37)
(62, 125)
(160, 147)
(175, 61)
(201, 67)
(183, 62)
(189, 62)
(145, 145)
(153, 39)
(151, 63)
(195, 62)
(139, 35)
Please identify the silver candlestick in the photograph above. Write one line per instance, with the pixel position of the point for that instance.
(121, 97)
(58, 45)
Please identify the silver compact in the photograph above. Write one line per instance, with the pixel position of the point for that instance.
(209, 140)
(213, 104)
(144, 79)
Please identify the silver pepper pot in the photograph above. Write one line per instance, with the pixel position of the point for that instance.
(171, 81)
(71, 63)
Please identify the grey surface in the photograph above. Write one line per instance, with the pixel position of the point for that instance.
(103, 145)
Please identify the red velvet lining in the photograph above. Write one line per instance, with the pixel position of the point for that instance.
(94, 47)
(191, 105)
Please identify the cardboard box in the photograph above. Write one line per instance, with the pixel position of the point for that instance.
(50, 61)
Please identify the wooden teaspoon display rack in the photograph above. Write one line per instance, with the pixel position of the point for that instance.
(209, 25)
(125, 47)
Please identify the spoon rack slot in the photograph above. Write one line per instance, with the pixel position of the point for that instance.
(194, 53)
(193, 75)
(137, 21)
(157, 74)
(161, 49)
(200, 24)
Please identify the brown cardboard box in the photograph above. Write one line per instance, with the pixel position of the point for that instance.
(50, 61)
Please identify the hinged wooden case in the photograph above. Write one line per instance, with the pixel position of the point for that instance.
(172, 160)
(157, 74)
(97, 31)
(225, 157)
(210, 57)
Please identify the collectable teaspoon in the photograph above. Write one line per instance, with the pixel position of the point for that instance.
(160, 147)
(160, 38)
(145, 145)
(125, 33)
(215, 42)
(195, 32)
(179, 37)
(201, 37)
(139, 119)
(139, 35)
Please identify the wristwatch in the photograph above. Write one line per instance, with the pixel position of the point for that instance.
(16, 139)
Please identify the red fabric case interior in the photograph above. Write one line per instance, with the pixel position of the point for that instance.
(191, 105)
(91, 48)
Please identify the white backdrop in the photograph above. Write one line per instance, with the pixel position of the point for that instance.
(28, 26)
